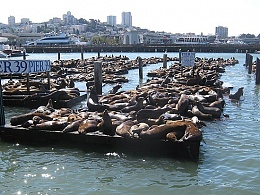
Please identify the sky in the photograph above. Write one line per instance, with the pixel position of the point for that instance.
(172, 16)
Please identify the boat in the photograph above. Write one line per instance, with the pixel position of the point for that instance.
(3, 55)
(54, 39)
(14, 52)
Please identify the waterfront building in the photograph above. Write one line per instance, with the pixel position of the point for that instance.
(131, 37)
(126, 19)
(111, 20)
(11, 20)
(221, 32)
(25, 21)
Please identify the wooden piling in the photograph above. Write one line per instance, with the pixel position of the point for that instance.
(250, 63)
(140, 65)
(58, 55)
(179, 55)
(257, 73)
(165, 60)
(27, 74)
(2, 113)
(82, 54)
(98, 76)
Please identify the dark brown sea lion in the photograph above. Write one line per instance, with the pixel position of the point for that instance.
(115, 88)
(138, 106)
(50, 125)
(87, 126)
(202, 116)
(151, 113)
(106, 124)
(237, 95)
(137, 128)
(214, 111)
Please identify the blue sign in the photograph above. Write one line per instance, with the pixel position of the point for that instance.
(24, 66)
(187, 58)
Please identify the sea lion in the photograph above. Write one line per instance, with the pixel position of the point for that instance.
(151, 113)
(20, 119)
(50, 125)
(87, 126)
(202, 116)
(106, 124)
(214, 111)
(136, 107)
(124, 129)
(237, 95)
(73, 126)
(160, 131)
(182, 105)
(115, 88)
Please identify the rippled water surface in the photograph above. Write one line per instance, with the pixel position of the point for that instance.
(229, 156)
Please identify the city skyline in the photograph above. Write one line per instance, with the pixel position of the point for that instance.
(174, 17)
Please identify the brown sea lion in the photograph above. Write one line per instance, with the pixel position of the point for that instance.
(20, 119)
(237, 95)
(202, 116)
(50, 125)
(183, 103)
(214, 111)
(138, 106)
(124, 129)
(160, 131)
(87, 126)
(152, 113)
(106, 124)
(73, 126)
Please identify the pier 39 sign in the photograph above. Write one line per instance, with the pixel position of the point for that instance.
(187, 58)
(24, 66)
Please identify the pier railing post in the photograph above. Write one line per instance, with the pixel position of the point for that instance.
(98, 76)
(27, 74)
(179, 55)
(165, 60)
(2, 113)
(58, 55)
(257, 73)
(140, 65)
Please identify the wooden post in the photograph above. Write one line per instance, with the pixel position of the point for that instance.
(257, 73)
(58, 55)
(179, 55)
(27, 74)
(2, 113)
(82, 54)
(165, 60)
(250, 63)
(140, 65)
(98, 76)
(49, 80)
(98, 54)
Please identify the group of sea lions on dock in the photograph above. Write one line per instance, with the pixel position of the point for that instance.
(171, 106)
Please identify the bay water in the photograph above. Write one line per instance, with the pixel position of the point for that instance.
(229, 161)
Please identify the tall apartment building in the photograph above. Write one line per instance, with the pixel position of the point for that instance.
(11, 20)
(126, 19)
(111, 20)
(221, 32)
(25, 20)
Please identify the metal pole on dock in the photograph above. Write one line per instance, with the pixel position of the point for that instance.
(257, 73)
(98, 76)
(140, 65)
(165, 60)
(2, 112)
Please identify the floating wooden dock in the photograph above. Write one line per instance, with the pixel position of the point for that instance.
(186, 149)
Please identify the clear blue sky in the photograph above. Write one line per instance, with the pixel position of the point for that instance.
(175, 16)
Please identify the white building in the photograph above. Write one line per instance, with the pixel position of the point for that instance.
(126, 19)
(111, 20)
(131, 37)
(25, 21)
(221, 32)
(11, 20)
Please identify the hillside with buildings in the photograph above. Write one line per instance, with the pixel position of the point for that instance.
(95, 32)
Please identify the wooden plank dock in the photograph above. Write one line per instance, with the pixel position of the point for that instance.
(163, 148)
